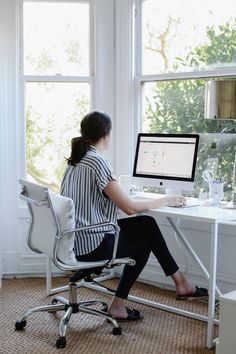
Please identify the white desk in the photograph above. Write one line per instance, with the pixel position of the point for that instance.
(212, 216)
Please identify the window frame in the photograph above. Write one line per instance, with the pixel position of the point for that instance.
(140, 79)
(57, 78)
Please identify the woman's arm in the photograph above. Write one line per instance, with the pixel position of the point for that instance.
(129, 206)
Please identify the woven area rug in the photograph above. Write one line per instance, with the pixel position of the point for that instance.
(159, 332)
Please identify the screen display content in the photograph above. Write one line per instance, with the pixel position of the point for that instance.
(166, 157)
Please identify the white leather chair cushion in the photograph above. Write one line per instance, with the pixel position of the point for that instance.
(65, 212)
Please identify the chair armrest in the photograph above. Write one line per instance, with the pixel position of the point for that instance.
(116, 228)
(94, 226)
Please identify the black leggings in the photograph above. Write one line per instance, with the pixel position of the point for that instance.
(139, 236)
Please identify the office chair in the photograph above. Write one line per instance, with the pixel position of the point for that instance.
(51, 232)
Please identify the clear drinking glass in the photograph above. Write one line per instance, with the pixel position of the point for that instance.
(203, 197)
(216, 192)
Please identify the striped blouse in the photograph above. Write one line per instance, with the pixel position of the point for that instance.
(84, 183)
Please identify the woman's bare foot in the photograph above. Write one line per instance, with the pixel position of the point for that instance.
(117, 308)
(183, 285)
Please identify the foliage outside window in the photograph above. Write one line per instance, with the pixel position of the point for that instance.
(189, 40)
(56, 67)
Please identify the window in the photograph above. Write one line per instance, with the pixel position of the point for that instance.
(56, 81)
(181, 46)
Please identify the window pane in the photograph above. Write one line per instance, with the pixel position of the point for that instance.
(56, 38)
(53, 114)
(176, 104)
(178, 107)
(188, 35)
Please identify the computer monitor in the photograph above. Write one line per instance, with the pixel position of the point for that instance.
(166, 161)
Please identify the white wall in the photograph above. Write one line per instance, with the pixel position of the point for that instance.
(8, 138)
(114, 94)
(124, 125)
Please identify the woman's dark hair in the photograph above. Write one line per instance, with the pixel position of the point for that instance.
(94, 126)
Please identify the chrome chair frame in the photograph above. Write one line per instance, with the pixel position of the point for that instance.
(78, 272)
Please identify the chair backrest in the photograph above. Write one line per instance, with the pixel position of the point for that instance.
(65, 212)
(51, 214)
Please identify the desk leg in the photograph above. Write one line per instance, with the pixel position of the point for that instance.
(212, 285)
(191, 251)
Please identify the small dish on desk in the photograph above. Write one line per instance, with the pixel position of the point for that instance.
(227, 205)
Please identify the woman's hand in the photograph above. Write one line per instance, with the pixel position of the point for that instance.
(175, 200)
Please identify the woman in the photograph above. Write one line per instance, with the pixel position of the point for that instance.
(90, 182)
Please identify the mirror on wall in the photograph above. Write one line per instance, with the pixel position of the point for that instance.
(220, 99)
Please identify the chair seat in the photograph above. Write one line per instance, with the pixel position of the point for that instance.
(75, 265)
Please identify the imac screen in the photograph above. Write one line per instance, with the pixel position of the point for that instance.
(166, 156)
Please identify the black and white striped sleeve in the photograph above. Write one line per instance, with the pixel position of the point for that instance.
(104, 173)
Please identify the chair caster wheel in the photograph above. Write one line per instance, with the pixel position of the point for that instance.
(117, 331)
(61, 342)
(19, 325)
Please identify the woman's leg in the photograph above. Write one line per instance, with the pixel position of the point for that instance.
(130, 274)
(138, 237)
(136, 240)
(133, 244)
(164, 257)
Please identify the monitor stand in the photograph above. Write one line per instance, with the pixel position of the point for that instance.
(172, 191)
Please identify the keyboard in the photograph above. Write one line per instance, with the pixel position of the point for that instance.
(190, 202)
